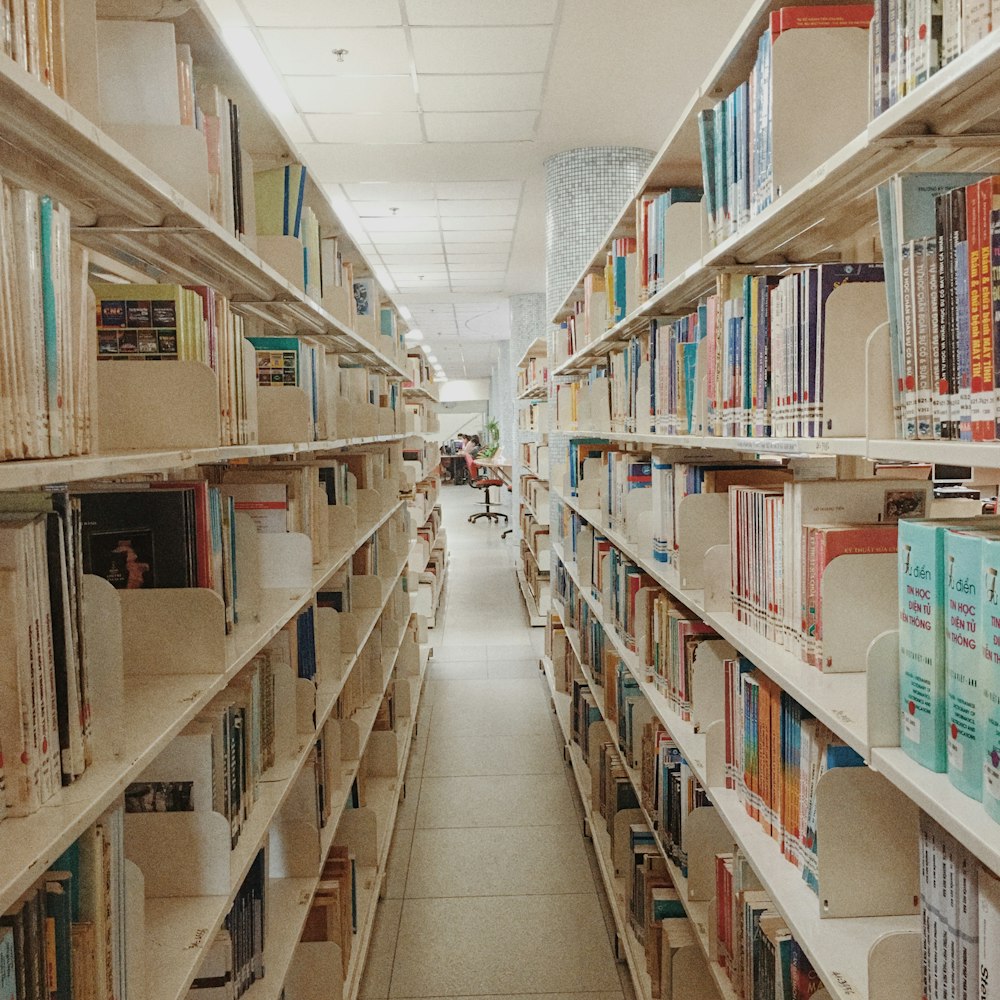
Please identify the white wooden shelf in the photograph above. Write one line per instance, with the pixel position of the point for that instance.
(537, 390)
(17, 475)
(536, 615)
(697, 910)
(536, 349)
(971, 453)
(178, 958)
(838, 948)
(839, 701)
(422, 391)
(157, 708)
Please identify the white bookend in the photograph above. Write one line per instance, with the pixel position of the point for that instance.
(173, 631)
(285, 561)
(137, 405)
(358, 831)
(135, 931)
(702, 522)
(707, 836)
(198, 861)
(104, 650)
(708, 693)
(851, 583)
(284, 254)
(293, 844)
(316, 973)
(830, 66)
(284, 414)
(868, 857)
(853, 310)
(382, 755)
(137, 73)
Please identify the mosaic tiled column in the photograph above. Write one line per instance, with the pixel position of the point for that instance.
(527, 322)
(585, 189)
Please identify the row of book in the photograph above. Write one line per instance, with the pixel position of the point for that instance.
(942, 272)
(33, 36)
(738, 146)
(949, 651)
(534, 417)
(45, 378)
(534, 372)
(911, 42)
(960, 916)
(776, 754)
(235, 959)
(217, 762)
(783, 541)
(753, 945)
(333, 915)
(755, 949)
(67, 938)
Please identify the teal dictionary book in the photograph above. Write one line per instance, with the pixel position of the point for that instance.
(990, 648)
(964, 661)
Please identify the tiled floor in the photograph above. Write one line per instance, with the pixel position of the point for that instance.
(490, 890)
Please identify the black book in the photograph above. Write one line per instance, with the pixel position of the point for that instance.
(141, 539)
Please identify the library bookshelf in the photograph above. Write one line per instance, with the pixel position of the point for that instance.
(825, 211)
(532, 381)
(157, 660)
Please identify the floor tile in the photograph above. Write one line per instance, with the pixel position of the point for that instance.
(381, 951)
(506, 944)
(511, 668)
(501, 800)
(457, 670)
(580, 995)
(498, 861)
(407, 814)
(471, 719)
(527, 753)
(398, 863)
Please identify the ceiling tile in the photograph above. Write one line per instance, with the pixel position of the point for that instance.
(402, 224)
(309, 51)
(399, 209)
(480, 126)
(387, 192)
(403, 242)
(470, 273)
(333, 94)
(391, 258)
(478, 13)
(487, 92)
(323, 13)
(461, 190)
(433, 267)
(480, 50)
(478, 260)
(490, 237)
(406, 239)
(470, 248)
(366, 129)
(465, 223)
(472, 206)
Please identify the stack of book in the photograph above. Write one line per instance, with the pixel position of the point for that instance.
(775, 755)
(960, 913)
(911, 42)
(942, 275)
(783, 540)
(45, 330)
(949, 652)
(755, 948)
(177, 323)
(33, 36)
(738, 134)
(235, 958)
(67, 937)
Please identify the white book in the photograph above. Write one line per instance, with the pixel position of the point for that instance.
(989, 936)
(137, 63)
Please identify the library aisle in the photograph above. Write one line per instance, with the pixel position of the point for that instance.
(489, 890)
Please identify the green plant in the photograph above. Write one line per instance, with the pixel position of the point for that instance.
(492, 434)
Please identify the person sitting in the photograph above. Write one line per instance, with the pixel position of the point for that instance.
(460, 469)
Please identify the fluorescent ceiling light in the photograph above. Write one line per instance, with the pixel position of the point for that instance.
(433, 360)
(414, 335)
(384, 279)
(349, 219)
(406, 314)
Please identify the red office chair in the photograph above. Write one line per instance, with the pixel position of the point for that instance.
(483, 483)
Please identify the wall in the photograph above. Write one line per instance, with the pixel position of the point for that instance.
(460, 390)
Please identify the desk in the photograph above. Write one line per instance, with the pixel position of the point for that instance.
(455, 464)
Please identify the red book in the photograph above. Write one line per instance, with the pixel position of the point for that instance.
(977, 245)
(983, 413)
(841, 15)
